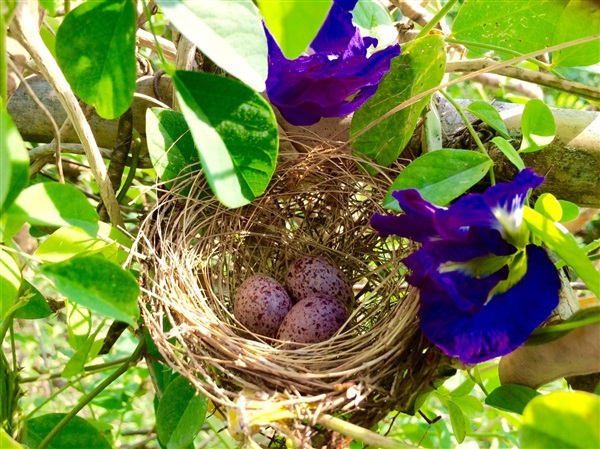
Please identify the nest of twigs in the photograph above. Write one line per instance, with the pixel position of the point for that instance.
(198, 252)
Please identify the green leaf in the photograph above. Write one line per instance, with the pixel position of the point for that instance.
(180, 415)
(50, 6)
(570, 211)
(14, 162)
(489, 115)
(562, 419)
(374, 20)
(79, 324)
(6, 442)
(37, 307)
(458, 421)
(432, 131)
(537, 125)
(463, 389)
(578, 19)
(581, 318)
(170, 145)
(10, 282)
(528, 26)
(420, 67)
(511, 398)
(230, 33)
(440, 176)
(565, 245)
(54, 204)
(509, 151)
(77, 434)
(98, 284)
(95, 48)
(235, 132)
(77, 362)
(294, 23)
(65, 243)
(549, 207)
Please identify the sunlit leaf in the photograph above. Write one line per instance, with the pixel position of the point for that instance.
(458, 421)
(565, 419)
(229, 32)
(565, 245)
(537, 125)
(570, 211)
(95, 48)
(14, 162)
(235, 132)
(10, 281)
(509, 151)
(294, 23)
(98, 284)
(549, 207)
(419, 67)
(440, 176)
(54, 204)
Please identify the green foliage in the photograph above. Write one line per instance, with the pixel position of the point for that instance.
(546, 418)
(180, 414)
(512, 398)
(53, 204)
(36, 306)
(294, 23)
(14, 162)
(230, 33)
(419, 68)
(529, 26)
(10, 282)
(98, 284)
(77, 434)
(509, 151)
(488, 114)
(537, 125)
(235, 132)
(170, 145)
(95, 48)
(565, 245)
(440, 176)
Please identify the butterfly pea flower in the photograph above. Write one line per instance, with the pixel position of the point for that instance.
(335, 79)
(484, 288)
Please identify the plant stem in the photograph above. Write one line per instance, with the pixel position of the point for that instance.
(540, 64)
(166, 65)
(86, 399)
(91, 369)
(360, 434)
(8, 318)
(472, 131)
(436, 19)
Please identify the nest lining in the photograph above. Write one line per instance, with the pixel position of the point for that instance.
(319, 203)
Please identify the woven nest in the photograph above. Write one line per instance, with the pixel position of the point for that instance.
(198, 252)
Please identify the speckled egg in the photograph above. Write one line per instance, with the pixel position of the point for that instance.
(313, 320)
(261, 303)
(312, 275)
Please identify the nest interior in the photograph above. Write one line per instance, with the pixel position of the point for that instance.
(319, 202)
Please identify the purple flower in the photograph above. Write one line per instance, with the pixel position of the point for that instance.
(484, 289)
(336, 79)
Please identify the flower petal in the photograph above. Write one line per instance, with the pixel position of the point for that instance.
(337, 30)
(495, 328)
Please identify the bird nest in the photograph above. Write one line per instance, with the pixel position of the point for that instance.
(198, 252)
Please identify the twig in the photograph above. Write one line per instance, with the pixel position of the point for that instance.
(543, 79)
(76, 148)
(38, 102)
(525, 88)
(146, 39)
(469, 76)
(25, 29)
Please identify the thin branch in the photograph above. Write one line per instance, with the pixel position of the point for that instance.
(25, 29)
(469, 76)
(542, 79)
(76, 148)
(146, 39)
(56, 131)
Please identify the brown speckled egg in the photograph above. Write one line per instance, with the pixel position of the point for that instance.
(312, 275)
(313, 319)
(261, 304)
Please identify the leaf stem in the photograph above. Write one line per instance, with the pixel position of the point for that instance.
(159, 51)
(436, 19)
(86, 399)
(360, 434)
(472, 131)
